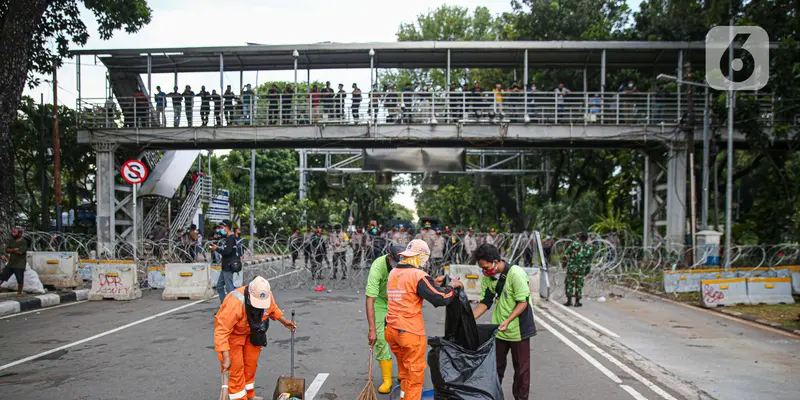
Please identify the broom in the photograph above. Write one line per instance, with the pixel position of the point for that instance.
(369, 391)
(223, 393)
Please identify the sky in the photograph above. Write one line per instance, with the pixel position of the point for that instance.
(179, 23)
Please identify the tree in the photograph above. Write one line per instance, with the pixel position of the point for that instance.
(28, 28)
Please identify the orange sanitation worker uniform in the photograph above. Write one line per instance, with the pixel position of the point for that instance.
(405, 328)
(232, 333)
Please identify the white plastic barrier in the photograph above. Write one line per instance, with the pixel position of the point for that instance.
(188, 281)
(688, 280)
(795, 279)
(765, 272)
(216, 269)
(58, 269)
(115, 279)
(770, 290)
(470, 276)
(85, 268)
(156, 277)
(723, 292)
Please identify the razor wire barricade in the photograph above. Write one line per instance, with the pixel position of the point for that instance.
(307, 263)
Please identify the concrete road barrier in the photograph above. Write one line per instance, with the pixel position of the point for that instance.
(57, 269)
(688, 280)
(188, 281)
(85, 268)
(115, 279)
(723, 292)
(156, 277)
(770, 290)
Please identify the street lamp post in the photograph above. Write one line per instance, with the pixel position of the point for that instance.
(250, 171)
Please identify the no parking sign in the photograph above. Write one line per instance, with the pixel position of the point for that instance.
(134, 172)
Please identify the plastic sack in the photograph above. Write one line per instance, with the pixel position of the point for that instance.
(32, 283)
(459, 323)
(459, 373)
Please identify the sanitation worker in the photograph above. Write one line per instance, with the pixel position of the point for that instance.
(506, 287)
(408, 284)
(376, 312)
(240, 331)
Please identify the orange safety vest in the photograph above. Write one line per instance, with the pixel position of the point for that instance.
(231, 323)
(405, 305)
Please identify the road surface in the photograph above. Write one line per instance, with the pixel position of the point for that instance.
(154, 349)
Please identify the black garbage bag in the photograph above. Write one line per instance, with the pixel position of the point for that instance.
(459, 324)
(459, 373)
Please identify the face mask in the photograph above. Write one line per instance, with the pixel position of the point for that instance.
(490, 272)
(222, 232)
(417, 261)
(374, 231)
(630, 85)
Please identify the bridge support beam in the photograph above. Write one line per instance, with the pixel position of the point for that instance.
(104, 187)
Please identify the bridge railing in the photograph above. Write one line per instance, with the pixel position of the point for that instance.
(640, 108)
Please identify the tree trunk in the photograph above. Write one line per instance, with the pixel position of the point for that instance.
(19, 23)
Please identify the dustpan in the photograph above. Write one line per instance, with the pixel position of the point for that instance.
(296, 387)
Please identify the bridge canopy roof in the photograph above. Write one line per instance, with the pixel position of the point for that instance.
(405, 55)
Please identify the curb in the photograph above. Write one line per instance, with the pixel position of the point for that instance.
(734, 314)
(15, 306)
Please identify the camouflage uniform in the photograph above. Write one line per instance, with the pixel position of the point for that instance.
(577, 258)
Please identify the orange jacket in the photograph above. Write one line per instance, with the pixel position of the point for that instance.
(407, 286)
(231, 319)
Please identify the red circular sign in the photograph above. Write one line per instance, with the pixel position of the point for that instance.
(134, 171)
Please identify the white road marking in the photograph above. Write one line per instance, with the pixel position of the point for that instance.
(106, 333)
(315, 386)
(580, 351)
(609, 357)
(44, 309)
(636, 395)
(587, 320)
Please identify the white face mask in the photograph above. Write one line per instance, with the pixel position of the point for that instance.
(630, 85)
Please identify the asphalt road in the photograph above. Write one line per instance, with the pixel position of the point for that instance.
(109, 352)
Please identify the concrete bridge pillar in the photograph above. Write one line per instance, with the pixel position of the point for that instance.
(104, 189)
(676, 196)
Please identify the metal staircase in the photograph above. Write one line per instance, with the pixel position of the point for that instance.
(189, 207)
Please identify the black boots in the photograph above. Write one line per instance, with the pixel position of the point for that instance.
(578, 302)
(569, 301)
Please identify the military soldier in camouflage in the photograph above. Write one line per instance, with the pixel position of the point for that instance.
(577, 260)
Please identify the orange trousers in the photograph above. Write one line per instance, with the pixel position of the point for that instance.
(244, 362)
(410, 350)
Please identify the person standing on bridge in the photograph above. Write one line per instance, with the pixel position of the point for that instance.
(506, 287)
(177, 98)
(17, 250)
(377, 306)
(231, 261)
(161, 106)
(576, 258)
(407, 286)
(240, 332)
(188, 101)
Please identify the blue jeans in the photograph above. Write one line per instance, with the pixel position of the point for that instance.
(224, 284)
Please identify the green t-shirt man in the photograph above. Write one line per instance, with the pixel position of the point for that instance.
(376, 286)
(17, 260)
(513, 286)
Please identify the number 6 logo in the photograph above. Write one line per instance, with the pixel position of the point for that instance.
(750, 66)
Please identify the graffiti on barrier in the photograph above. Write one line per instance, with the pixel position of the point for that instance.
(712, 295)
(111, 284)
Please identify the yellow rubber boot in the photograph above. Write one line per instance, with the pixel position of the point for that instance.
(386, 371)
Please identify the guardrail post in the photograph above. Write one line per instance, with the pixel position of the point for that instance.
(647, 117)
(556, 108)
(617, 100)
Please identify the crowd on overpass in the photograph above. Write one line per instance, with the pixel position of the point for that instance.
(412, 103)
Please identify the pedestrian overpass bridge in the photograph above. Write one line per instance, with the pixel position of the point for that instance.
(520, 118)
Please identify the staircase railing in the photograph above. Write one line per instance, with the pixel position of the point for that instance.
(155, 214)
(189, 206)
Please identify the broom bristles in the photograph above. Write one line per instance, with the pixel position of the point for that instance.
(369, 392)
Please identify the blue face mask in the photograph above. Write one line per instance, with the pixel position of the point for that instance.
(222, 232)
